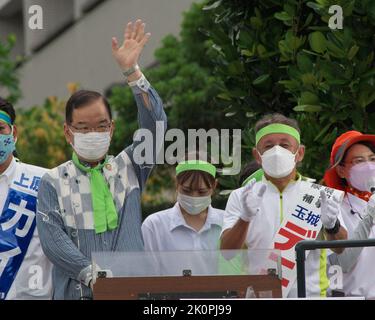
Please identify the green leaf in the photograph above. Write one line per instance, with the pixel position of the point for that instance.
(309, 79)
(368, 74)
(261, 50)
(323, 131)
(304, 63)
(213, 6)
(308, 20)
(283, 16)
(352, 52)
(225, 192)
(308, 108)
(290, 84)
(256, 22)
(250, 114)
(315, 6)
(366, 97)
(335, 51)
(263, 78)
(311, 53)
(235, 68)
(224, 96)
(318, 42)
(308, 98)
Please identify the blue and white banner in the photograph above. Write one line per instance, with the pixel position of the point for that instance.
(17, 225)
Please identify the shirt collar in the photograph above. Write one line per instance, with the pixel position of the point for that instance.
(178, 219)
(212, 219)
(364, 195)
(291, 183)
(9, 172)
(353, 199)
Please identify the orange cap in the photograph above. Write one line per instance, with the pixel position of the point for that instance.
(343, 143)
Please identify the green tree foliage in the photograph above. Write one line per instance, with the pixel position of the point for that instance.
(234, 61)
(280, 55)
(41, 137)
(8, 75)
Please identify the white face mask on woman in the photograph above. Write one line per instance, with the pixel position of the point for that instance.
(193, 205)
(362, 176)
(91, 146)
(278, 162)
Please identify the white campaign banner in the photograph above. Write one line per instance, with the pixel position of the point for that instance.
(303, 223)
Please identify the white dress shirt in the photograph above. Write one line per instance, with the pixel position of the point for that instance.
(266, 223)
(176, 246)
(359, 281)
(6, 179)
(167, 230)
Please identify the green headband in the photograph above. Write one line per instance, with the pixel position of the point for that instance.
(196, 165)
(277, 128)
(4, 117)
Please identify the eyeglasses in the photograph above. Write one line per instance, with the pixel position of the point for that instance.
(101, 128)
(358, 160)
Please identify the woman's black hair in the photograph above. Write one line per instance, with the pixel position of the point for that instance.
(7, 107)
(196, 175)
(367, 144)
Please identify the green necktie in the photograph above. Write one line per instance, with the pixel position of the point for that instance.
(105, 214)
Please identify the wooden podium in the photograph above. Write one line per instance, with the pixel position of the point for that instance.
(171, 287)
(176, 275)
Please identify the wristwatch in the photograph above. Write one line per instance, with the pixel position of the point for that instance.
(335, 229)
(131, 70)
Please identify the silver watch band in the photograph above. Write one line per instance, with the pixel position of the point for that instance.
(131, 70)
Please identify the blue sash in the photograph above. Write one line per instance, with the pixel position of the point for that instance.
(17, 225)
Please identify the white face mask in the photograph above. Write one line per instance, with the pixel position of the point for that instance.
(278, 162)
(91, 146)
(193, 205)
(362, 176)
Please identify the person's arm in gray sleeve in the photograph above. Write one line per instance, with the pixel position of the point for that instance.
(56, 244)
(153, 120)
(348, 259)
(149, 104)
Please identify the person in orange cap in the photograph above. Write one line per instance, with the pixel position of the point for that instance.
(353, 171)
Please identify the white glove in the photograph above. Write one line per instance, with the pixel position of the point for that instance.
(251, 200)
(370, 209)
(330, 209)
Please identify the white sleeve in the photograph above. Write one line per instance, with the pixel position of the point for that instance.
(148, 236)
(341, 219)
(232, 210)
(349, 257)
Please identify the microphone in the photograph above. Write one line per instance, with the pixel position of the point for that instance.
(371, 185)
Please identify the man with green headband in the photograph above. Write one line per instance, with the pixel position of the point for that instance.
(92, 202)
(279, 207)
(25, 272)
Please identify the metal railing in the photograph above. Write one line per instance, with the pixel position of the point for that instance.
(304, 245)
